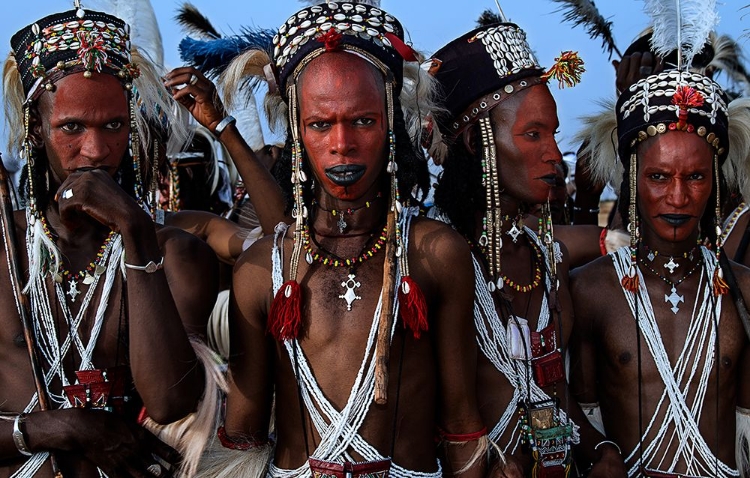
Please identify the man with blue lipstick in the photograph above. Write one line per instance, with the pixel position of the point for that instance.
(659, 350)
(317, 307)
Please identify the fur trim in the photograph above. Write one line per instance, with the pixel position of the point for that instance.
(13, 105)
(218, 325)
(742, 442)
(190, 436)
(220, 462)
(616, 239)
(418, 97)
(737, 166)
(599, 137)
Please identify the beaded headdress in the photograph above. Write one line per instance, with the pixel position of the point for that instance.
(674, 100)
(377, 37)
(475, 73)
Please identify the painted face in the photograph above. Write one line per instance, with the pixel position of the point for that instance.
(343, 124)
(84, 124)
(675, 178)
(527, 153)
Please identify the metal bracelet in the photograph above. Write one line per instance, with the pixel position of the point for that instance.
(149, 268)
(229, 119)
(18, 438)
(605, 442)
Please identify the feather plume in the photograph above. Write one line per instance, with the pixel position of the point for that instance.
(488, 18)
(144, 29)
(682, 25)
(373, 3)
(13, 105)
(195, 23)
(584, 12)
(212, 57)
(599, 139)
(729, 59)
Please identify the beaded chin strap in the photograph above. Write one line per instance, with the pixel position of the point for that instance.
(491, 239)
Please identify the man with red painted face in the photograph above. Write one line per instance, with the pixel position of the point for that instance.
(656, 342)
(315, 306)
(497, 146)
(110, 298)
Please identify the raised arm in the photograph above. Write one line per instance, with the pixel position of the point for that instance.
(202, 100)
(224, 237)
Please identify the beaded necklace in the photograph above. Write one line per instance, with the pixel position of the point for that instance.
(341, 223)
(732, 221)
(674, 298)
(537, 274)
(671, 265)
(327, 258)
(86, 276)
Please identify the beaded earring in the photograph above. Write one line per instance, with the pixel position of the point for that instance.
(134, 148)
(630, 281)
(720, 286)
(491, 240)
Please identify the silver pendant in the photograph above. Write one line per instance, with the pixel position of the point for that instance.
(341, 223)
(514, 232)
(674, 299)
(651, 256)
(350, 296)
(73, 290)
(88, 279)
(671, 265)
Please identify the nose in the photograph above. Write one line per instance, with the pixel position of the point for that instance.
(677, 196)
(554, 155)
(342, 140)
(94, 146)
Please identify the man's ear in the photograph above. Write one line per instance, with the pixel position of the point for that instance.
(469, 137)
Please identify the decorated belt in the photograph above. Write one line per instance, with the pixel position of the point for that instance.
(370, 469)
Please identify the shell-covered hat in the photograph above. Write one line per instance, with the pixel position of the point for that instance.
(73, 41)
(358, 28)
(481, 68)
(669, 101)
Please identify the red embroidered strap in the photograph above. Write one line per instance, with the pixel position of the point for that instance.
(243, 444)
(406, 52)
(460, 438)
(603, 241)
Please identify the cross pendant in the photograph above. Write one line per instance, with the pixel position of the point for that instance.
(73, 290)
(350, 296)
(514, 232)
(674, 299)
(341, 223)
(671, 265)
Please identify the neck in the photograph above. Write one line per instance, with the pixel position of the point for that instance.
(336, 217)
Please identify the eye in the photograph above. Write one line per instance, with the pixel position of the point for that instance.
(364, 121)
(532, 134)
(657, 176)
(696, 177)
(114, 125)
(318, 125)
(71, 127)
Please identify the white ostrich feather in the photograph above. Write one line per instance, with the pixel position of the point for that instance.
(144, 29)
(682, 25)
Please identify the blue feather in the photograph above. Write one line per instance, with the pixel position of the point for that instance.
(213, 56)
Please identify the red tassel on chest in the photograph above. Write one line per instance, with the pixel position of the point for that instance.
(413, 306)
(285, 317)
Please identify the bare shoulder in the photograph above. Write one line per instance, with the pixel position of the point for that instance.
(594, 283)
(742, 274)
(438, 241)
(178, 244)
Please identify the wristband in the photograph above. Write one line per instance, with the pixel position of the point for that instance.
(605, 442)
(18, 439)
(229, 119)
(149, 268)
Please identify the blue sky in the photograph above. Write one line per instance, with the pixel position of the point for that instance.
(431, 24)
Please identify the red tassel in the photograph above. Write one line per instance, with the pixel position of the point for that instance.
(720, 285)
(413, 306)
(285, 319)
(630, 281)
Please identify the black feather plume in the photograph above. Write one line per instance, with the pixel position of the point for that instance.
(195, 23)
(584, 12)
(487, 18)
